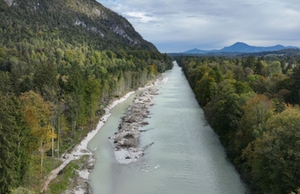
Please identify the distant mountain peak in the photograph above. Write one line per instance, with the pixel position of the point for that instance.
(245, 48)
(194, 50)
(239, 47)
(239, 43)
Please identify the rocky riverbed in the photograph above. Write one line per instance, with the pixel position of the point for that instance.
(126, 139)
(126, 148)
(80, 184)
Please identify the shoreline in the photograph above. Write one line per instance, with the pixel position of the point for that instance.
(82, 150)
(81, 181)
(126, 139)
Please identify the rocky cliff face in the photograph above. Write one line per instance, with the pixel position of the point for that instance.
(89, 15)
(9, 2)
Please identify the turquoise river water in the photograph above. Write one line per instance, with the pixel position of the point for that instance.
(186, 157)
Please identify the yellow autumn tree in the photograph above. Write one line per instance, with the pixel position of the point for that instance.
(37, 114)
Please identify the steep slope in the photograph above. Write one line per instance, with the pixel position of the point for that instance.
(61, 62)
(78, 16)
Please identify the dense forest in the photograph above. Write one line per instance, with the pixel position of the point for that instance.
(253, 104)
(61, 62)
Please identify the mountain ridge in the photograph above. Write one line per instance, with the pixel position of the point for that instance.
(61, 64)
(240, 47)
(92, 16)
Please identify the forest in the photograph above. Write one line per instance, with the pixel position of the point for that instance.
(252, 103)
(57, 76)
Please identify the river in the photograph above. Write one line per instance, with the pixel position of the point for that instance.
(186, 157)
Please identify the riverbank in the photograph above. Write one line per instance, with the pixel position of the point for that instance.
(80, 184)
(126, 139)
(81, 150)
(187, 156)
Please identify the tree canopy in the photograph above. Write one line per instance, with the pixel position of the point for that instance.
(252, 103)
(61, 62)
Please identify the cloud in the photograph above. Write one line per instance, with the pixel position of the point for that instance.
(140, 17)
(177, 25)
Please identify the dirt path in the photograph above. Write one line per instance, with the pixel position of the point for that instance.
(81, 149)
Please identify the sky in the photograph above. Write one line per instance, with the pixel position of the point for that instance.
(181, 25)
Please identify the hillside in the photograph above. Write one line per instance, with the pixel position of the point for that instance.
(61, 62)
(76, 18)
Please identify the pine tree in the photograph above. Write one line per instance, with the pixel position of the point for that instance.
(8, 147)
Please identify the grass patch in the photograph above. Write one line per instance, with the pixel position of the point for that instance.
(22, 190)
(62, 182)
(51, 163)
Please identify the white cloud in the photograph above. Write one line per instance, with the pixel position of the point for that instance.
(140, 17)
(178, 25)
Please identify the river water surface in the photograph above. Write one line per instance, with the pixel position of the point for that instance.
(186, 157)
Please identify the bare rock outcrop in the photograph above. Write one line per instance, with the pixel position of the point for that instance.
(9, 2)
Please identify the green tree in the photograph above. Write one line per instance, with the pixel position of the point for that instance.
(75, 87)
(274, 68)
(203, 89)
(259, 67)
(14, 137)
(295, 85)
(92, 96)
(249, 62)
(257, 111)
(45, 81)
(37, 115)
(8, 147)
(224, 109)
(275, 156)
(258, 83)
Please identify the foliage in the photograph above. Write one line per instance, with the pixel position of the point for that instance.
(60, 184)
(60, 62)
(248, 104)
(22, 190)
(9, 160)
(276, 153)
(67, 175)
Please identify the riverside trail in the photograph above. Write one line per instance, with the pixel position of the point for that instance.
(81, 149)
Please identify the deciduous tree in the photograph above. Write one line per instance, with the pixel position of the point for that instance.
(37, 114)
(275, 156)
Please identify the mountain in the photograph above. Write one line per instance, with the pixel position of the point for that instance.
(245, 48)
(86, 25)
(88, 18)
(195, 51)
(238, 47)
(292, 52)
(61, 63)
